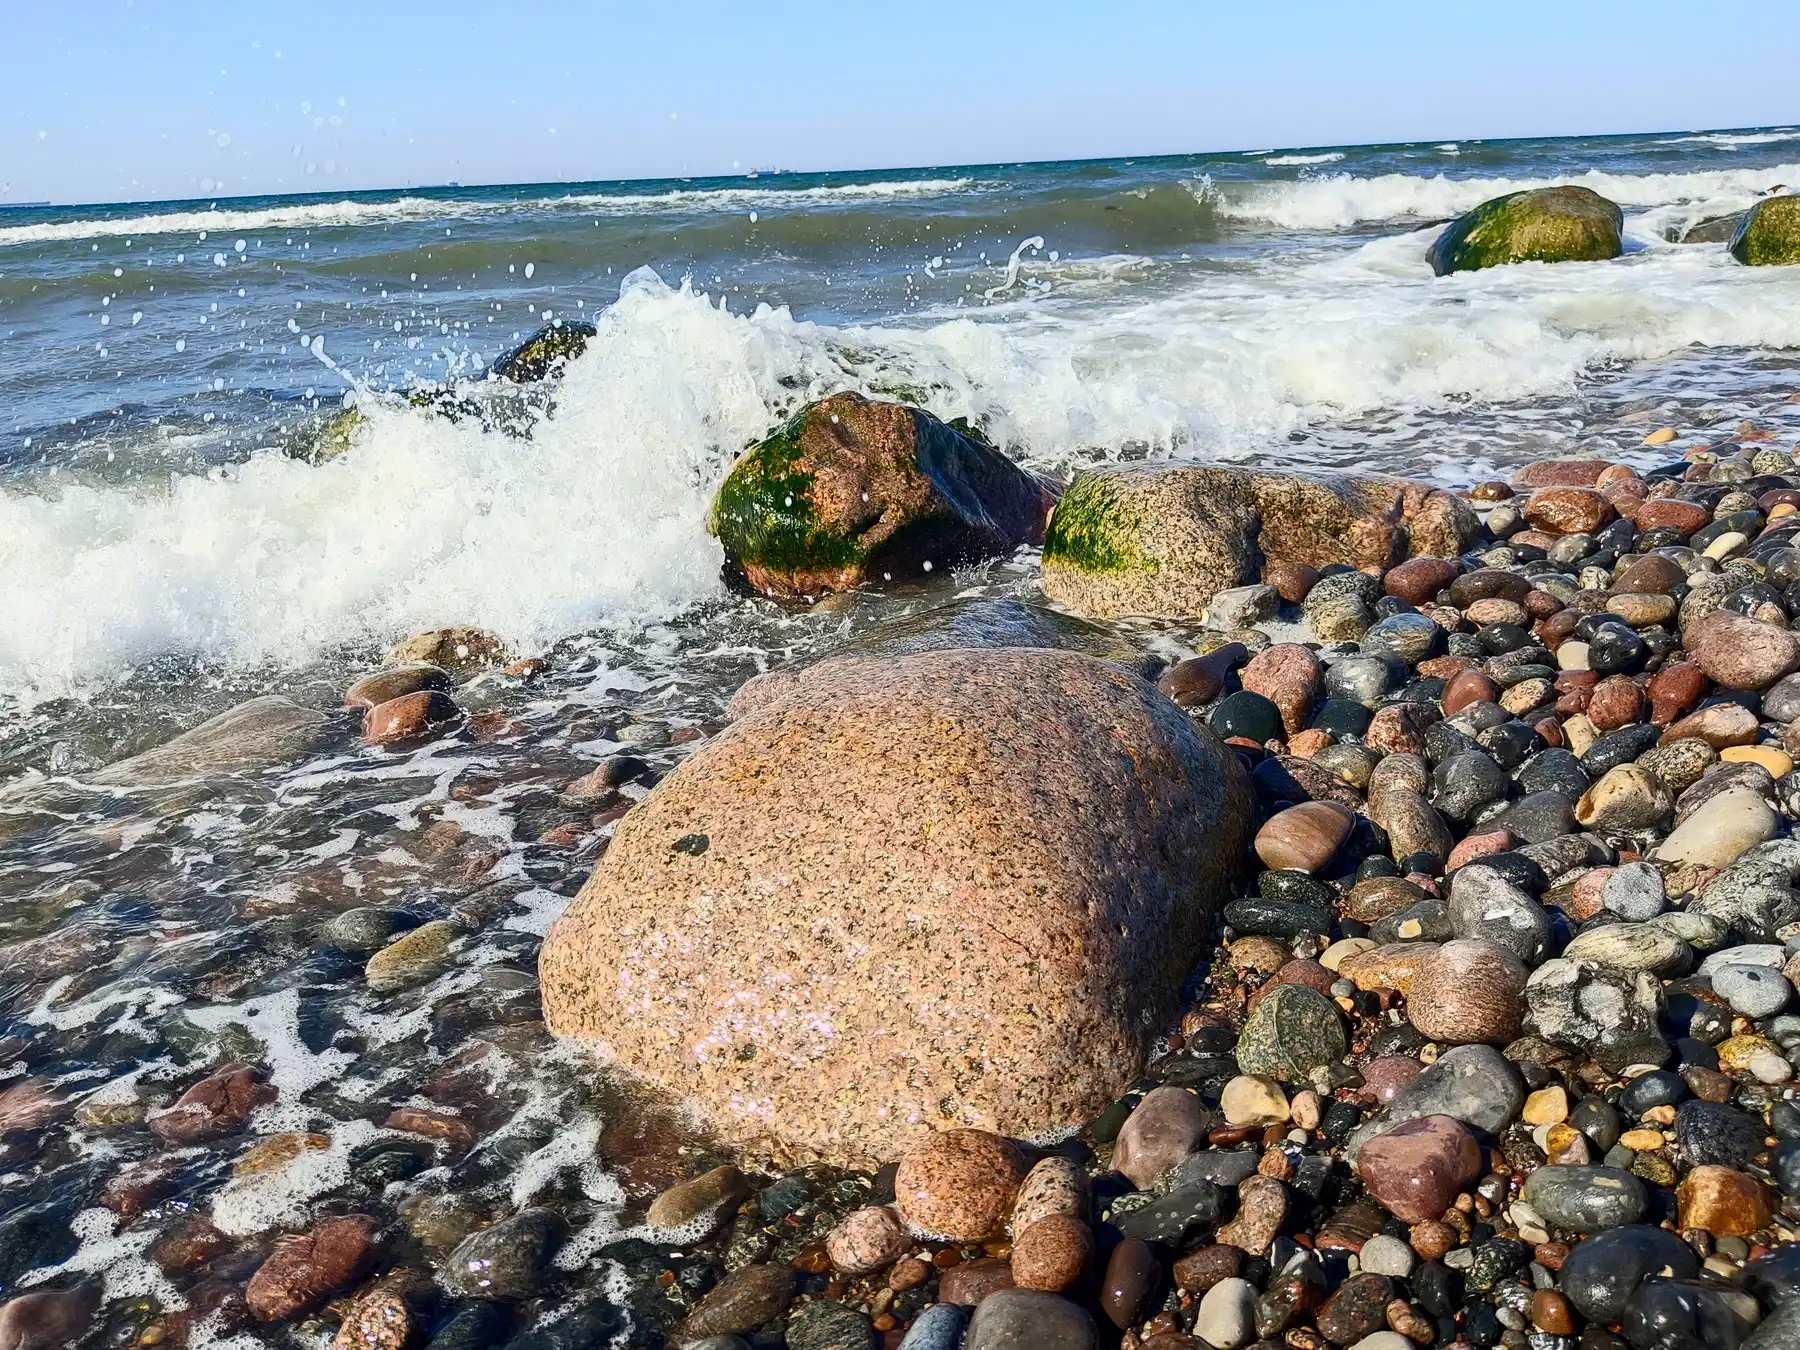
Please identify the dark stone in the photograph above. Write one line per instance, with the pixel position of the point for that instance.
(1496, 1260)
(1598, 1119)
(1681, 1315)
(1026, 1319)
(1178, 1216)
(1464, 783)
(1516, 868)
(1538, 817)
(1357, 1309)
(1711, 1133)
(1297, 887)
(1511, 743)
(1342, 717)
(544, 352)
(1132, 1271)
(505, 1261)
(1602, 1272)
(1554, 770)
(1438, 1288)
(1619, 747)
(1659, 1087)
(1283, 919)
(1248, 715)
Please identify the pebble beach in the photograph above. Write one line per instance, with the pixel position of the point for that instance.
(1153, 902)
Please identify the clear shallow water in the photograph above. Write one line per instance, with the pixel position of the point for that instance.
(161, 560)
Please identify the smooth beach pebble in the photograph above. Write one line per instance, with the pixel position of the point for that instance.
(958, 1184)
(1303, 838)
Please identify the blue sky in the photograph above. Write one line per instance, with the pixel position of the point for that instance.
(146, 99)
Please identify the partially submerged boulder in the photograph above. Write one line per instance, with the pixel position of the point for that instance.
(853, 491)
(545, 352)
(1163, 539)
(1713, 230)
(1555, 224)
(245, 739)
(886, 903)
(1770, 233)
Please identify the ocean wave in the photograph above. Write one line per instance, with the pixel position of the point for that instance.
(1283, 161)
(599, 517)
(1342, 201)
(348, 213)
(1734, 140)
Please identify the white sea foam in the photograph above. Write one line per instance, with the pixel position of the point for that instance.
(600, 516)
(1332, 157)
(1735, 140)
(344, 214)
(1340, 201)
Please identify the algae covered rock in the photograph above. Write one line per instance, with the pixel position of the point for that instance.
(882, 904)
(1164, 539)
(1557, 224)
(1770, 233)
(544, 352)
(853, 491)
(325, 436)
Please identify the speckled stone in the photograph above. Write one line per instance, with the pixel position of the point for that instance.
(412, 958)
(1290, 677)
(959, 1184)
(868, 1239)
(1054, 1186)
(1468, 991)
(1291, 1034)
(1029, 1319)
(699, 1204)
(746, 947)
(1052, 1253)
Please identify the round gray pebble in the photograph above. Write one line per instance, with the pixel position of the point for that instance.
(1384, 1255)
(1752, 991)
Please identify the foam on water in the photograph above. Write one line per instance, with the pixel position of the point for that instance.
(599, 517)
(346, 214)
(1340, 201)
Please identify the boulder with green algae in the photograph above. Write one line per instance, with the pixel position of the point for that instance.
(1163, 539)
(1557, 224)
(540, 355)
(1770, 234)
(854, 492)
(325, 436)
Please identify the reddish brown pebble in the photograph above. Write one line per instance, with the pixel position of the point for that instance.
(1542, 473)
(1292, 580)
(971, 1281)
(1568, 510)
(1131, 1272)
(1540, 604)
(408, 716)
(1491, 491)
(1469, 687)
(1550, 1312)
(302, 1272)
(1617, 702)
(1416, 1169)
(1673, 513)
(1308, 743)
(1651, 574)
(1303, 837)
(958, 1184)
(1478, 846)
(1433, 1239)
(908, 1274)
(1469, 991)
(1419, 579)
(1051, 1253)
(1198, 680)
(215, 1105)
(1290, 677)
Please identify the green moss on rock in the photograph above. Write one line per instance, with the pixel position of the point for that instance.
(1770, 234)
(1092, 530)
(1559, 224)
(763, 514)
(325, 437)
(541, 353)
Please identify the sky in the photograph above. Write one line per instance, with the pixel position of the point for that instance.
(134, 100)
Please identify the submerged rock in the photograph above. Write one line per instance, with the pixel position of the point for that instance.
(1051, 915)
(545, 352)
(1556, 224)
(1165, 539)
(853, 492)
(246, 739)
(1770, 233)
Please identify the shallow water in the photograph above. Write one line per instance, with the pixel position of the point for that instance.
(161, 560)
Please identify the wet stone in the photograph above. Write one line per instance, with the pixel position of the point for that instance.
(505, 1261)
(1027, 1319)
(1602, 1272)
(1586, 1199)
(828, 1325)
(1292, 1033)
(1358, 1308)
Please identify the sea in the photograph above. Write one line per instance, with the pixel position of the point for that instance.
(166, 552)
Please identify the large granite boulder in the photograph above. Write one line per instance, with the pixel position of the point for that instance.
(1770, 233)
(1555, 224)
(954, 888)
(854, 492)
(980, 621)
(1163, 539)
